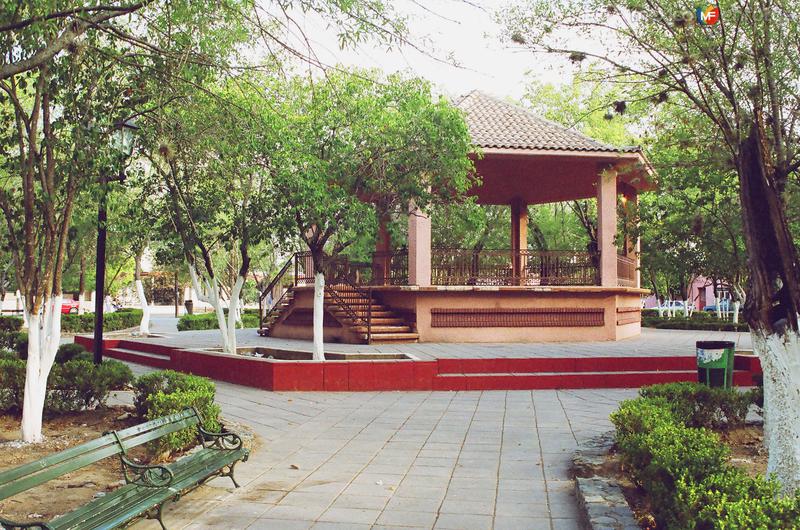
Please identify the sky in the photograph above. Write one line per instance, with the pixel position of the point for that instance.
(457, 31)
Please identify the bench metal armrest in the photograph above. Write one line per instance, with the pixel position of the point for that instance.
(155, 476)
(220, 440)
(13, 525)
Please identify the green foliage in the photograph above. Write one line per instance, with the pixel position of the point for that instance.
(73, 386)
(12, 384)
(10, 324)
(68, 352)
(698, 405)
(15, 341)
(167, 392)
(120, 319)
(209, 321)
(79, 385)
(700, 320)
(685, 470)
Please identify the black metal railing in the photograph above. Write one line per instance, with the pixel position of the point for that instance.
(451, 266)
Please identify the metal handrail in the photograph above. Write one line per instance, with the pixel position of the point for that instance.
(278, 277)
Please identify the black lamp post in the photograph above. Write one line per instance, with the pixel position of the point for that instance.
(122, 143)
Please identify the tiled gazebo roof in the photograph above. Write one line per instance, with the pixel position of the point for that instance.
(494, 123)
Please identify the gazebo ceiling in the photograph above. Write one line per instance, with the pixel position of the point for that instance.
(533, 159)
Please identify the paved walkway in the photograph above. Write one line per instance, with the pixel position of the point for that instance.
(650, 342)
(449, 460)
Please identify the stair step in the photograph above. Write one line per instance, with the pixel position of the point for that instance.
(391, 337)
(375, 314)
(381, 321)
(382, 329)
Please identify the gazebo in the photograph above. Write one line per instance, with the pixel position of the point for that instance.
(514, 294)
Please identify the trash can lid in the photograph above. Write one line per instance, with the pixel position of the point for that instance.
(714, 344)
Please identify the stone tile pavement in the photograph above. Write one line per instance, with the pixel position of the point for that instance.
(651, 342)
(392, 460)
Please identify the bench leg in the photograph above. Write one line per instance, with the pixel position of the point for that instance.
(158, 515)
(230, 474)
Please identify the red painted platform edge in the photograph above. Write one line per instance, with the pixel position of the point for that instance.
(332, 376)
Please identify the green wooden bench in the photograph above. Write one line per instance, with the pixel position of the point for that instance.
(147, 488)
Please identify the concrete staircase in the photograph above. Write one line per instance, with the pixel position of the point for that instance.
(352, 309)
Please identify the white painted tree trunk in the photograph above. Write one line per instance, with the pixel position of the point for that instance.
(144, 325)
(660, 308)
(234, 315)
(212, 295)
(736, 306)
(686, 312)
(44, 335)
(780, 360)
(319, 314)
(719, 308)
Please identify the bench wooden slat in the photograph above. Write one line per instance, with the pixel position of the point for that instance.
(130, 432)
(36, 473)
(159, 432)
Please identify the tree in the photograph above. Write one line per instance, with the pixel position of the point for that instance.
(358, 148)
(62, 99)
(740, 77)
(213, 156)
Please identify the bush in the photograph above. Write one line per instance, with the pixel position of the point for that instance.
(16, 342)
(685, 469)
(75, 385)
(12, 384)
(699, 320)
(697, 405)
(120, 319)
(166, 392)
(67, 352)
(78, 385)
(10, 323)
(209, 321)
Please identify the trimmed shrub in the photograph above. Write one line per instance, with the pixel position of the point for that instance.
(12, 384)
(78, 385)
(166, 392)
(120, 319)
(72, 386)
(10, 323)
(209, 321)
(685, 470)
(68, 352)
(697, 405)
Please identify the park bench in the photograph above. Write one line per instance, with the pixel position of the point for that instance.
(147, 487)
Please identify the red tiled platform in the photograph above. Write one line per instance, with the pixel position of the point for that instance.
(439, 374)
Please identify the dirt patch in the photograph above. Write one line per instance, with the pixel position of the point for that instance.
(747, 453)
(747, 449)
(65, 493)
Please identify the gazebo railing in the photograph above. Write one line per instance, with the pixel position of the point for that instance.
(453, 266)
(626, 271)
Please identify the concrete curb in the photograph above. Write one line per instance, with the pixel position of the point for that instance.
(600, 500)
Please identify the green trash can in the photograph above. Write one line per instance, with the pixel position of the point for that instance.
(715, 362)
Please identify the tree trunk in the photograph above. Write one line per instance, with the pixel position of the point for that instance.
(319, 316)
(212, 295)
(144, 325)
(81, 284)
(771, 307)
(233, 312)
(44, 335)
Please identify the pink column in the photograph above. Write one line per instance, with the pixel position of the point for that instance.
(519, 239)
(633, 248)
(607, 226)
(419, 247)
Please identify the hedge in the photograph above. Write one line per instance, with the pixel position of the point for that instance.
(684, 468)
(73, 386)
(120, 319)
(167, 392)
(700, 320)
(209, 321)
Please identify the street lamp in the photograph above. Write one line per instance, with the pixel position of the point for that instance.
(122, 141)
